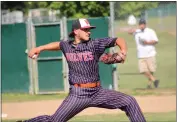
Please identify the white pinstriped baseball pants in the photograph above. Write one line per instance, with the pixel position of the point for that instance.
(81, 98)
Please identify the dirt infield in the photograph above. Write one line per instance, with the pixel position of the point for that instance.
(153, 104)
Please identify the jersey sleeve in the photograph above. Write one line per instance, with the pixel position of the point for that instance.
(103, 43)
(62, 45)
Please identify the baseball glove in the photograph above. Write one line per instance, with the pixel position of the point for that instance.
(108, 58)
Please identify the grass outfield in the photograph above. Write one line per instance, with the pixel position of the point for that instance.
(151, 117)
(15, 97)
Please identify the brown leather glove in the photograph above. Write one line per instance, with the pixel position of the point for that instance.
(108, 58)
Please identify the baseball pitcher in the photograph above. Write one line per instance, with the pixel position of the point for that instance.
(82, 55)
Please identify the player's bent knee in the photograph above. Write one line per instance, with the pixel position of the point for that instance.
(131, 99)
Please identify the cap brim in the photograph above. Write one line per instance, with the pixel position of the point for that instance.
(91, 27)
(142, 23)
(72, 33)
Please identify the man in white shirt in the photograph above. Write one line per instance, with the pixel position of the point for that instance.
(146, 39)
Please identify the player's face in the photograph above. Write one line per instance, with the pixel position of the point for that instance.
(142, 26)
(84, 34)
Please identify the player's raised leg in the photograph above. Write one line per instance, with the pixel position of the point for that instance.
(116, 100)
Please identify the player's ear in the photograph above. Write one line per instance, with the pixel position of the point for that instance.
(76, 31)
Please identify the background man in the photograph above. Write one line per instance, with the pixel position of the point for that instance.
(146, 39)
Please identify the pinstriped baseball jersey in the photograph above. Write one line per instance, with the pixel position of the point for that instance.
(83, 58)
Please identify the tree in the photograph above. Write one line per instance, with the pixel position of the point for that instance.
(22, 6)
(11, 5)
(123, 9)
(81, 9)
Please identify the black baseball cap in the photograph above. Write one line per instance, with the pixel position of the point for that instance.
(80, 24)
(142, 21)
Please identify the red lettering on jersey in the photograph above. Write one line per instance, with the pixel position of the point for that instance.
(79, 56)
(86, 56)
(90, 55)
(76, 57)
(67, 56)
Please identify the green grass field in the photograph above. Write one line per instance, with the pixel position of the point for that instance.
(151, 117)
(15, 97)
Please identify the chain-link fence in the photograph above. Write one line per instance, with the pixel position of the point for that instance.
(43, 15)
(162, 18)
(8, 17)
(38, 16)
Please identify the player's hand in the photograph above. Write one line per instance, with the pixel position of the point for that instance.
(123, 55)
(34, 52)
(124, 52)
(145, 42)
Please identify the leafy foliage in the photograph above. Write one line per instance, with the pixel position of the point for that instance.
(76, 9)
(135, 8)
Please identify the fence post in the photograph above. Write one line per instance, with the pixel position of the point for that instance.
(34, 62)
(29, 39)
(114, 66)
(65, 65)
(160, 19)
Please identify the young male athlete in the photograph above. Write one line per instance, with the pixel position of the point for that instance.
(82, 55)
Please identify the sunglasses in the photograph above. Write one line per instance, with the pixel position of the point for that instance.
(86, 29)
